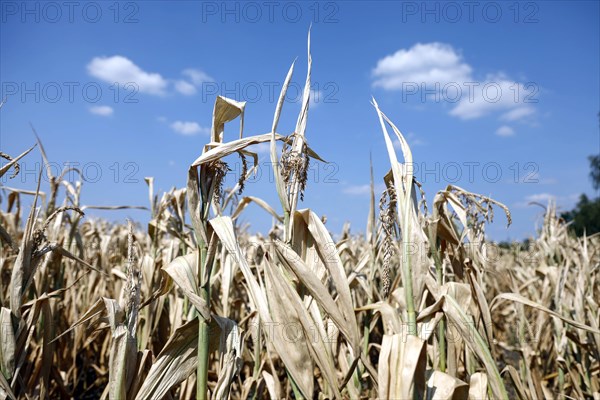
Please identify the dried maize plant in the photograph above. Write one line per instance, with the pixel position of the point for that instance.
(270, 287)
(439, 322)
(29, 292)
(548, 294)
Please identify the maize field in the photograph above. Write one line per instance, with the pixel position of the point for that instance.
(418, 306)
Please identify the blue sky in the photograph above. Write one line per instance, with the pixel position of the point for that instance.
(501, 98)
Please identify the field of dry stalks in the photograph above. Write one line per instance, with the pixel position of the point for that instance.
(192, 306)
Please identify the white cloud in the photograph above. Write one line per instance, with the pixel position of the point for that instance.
(427, 63)
(196, 76)
(122, 70)
(317, 97)
(505, 130)
(103, 111)
(188, 128)
(518, 113)
(540, 197)
(496, 93)
(185, 88)
(437, 72)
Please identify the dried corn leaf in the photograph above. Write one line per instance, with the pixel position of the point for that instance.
(183, 270)
(7, 344)
(226, 110)
(401, 370)
(230, 360)
(293, 356)
(4, 169)
(441, 386)
(175, 363)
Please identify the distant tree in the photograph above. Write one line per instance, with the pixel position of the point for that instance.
(595, 171)
(585, 217)
(505, 244)
(595, 167)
